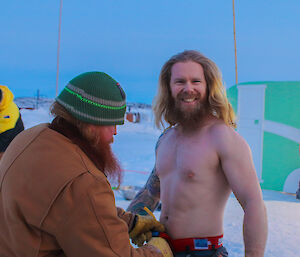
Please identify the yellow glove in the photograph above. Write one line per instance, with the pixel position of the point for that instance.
(142, 231)
(162, 245)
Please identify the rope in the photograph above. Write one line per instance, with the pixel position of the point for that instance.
(234, 36)
(58, 47)
(137, 171)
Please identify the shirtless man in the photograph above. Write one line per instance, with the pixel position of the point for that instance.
(200, 160)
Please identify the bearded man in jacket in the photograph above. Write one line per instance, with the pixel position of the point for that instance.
(55, 198)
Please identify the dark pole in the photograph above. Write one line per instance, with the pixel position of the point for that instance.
(37, 98)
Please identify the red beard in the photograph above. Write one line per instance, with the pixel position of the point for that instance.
(104, 158)
(92, 145)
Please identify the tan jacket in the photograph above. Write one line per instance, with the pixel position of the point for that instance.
(55, 202)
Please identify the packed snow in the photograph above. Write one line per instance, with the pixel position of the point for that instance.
(134, 147)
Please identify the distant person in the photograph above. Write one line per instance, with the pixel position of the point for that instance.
(11, 123)
(55, 199)
(298, 192)
(200, 160)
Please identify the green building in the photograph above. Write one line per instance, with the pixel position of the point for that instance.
(269, 119)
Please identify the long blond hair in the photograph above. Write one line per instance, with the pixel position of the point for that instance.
(217, 98)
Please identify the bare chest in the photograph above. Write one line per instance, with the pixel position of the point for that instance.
(186, 158)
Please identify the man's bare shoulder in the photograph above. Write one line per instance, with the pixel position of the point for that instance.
(167, 133)
(225, 138)
(220, 129)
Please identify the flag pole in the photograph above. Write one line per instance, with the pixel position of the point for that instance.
(234, 36)
(58, 47)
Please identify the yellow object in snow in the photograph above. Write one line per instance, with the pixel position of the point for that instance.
(162, 245)
(9, 111)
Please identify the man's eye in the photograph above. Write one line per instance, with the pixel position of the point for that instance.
(197, 81)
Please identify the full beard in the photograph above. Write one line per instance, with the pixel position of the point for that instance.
(189, 117)
(105, 160)
(92, 145)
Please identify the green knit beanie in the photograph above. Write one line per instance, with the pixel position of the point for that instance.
(94, 97)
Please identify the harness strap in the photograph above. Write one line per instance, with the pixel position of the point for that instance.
(193, 244)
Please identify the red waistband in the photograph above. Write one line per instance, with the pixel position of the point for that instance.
(193, 244)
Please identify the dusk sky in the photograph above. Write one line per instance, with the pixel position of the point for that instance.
(131, 40)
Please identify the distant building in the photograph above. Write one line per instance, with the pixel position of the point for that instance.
(139, 112)
(269, 119)
(134, 117)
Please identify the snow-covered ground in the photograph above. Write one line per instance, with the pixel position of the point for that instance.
(134, 146)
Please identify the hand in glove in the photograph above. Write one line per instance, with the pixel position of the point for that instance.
(162, 245)
(142, 230)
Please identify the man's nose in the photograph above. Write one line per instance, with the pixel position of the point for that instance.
(188, 87)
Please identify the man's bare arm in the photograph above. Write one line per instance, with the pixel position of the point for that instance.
(148, 196)
(238, 167)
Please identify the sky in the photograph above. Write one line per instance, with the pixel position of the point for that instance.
(131, 40)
